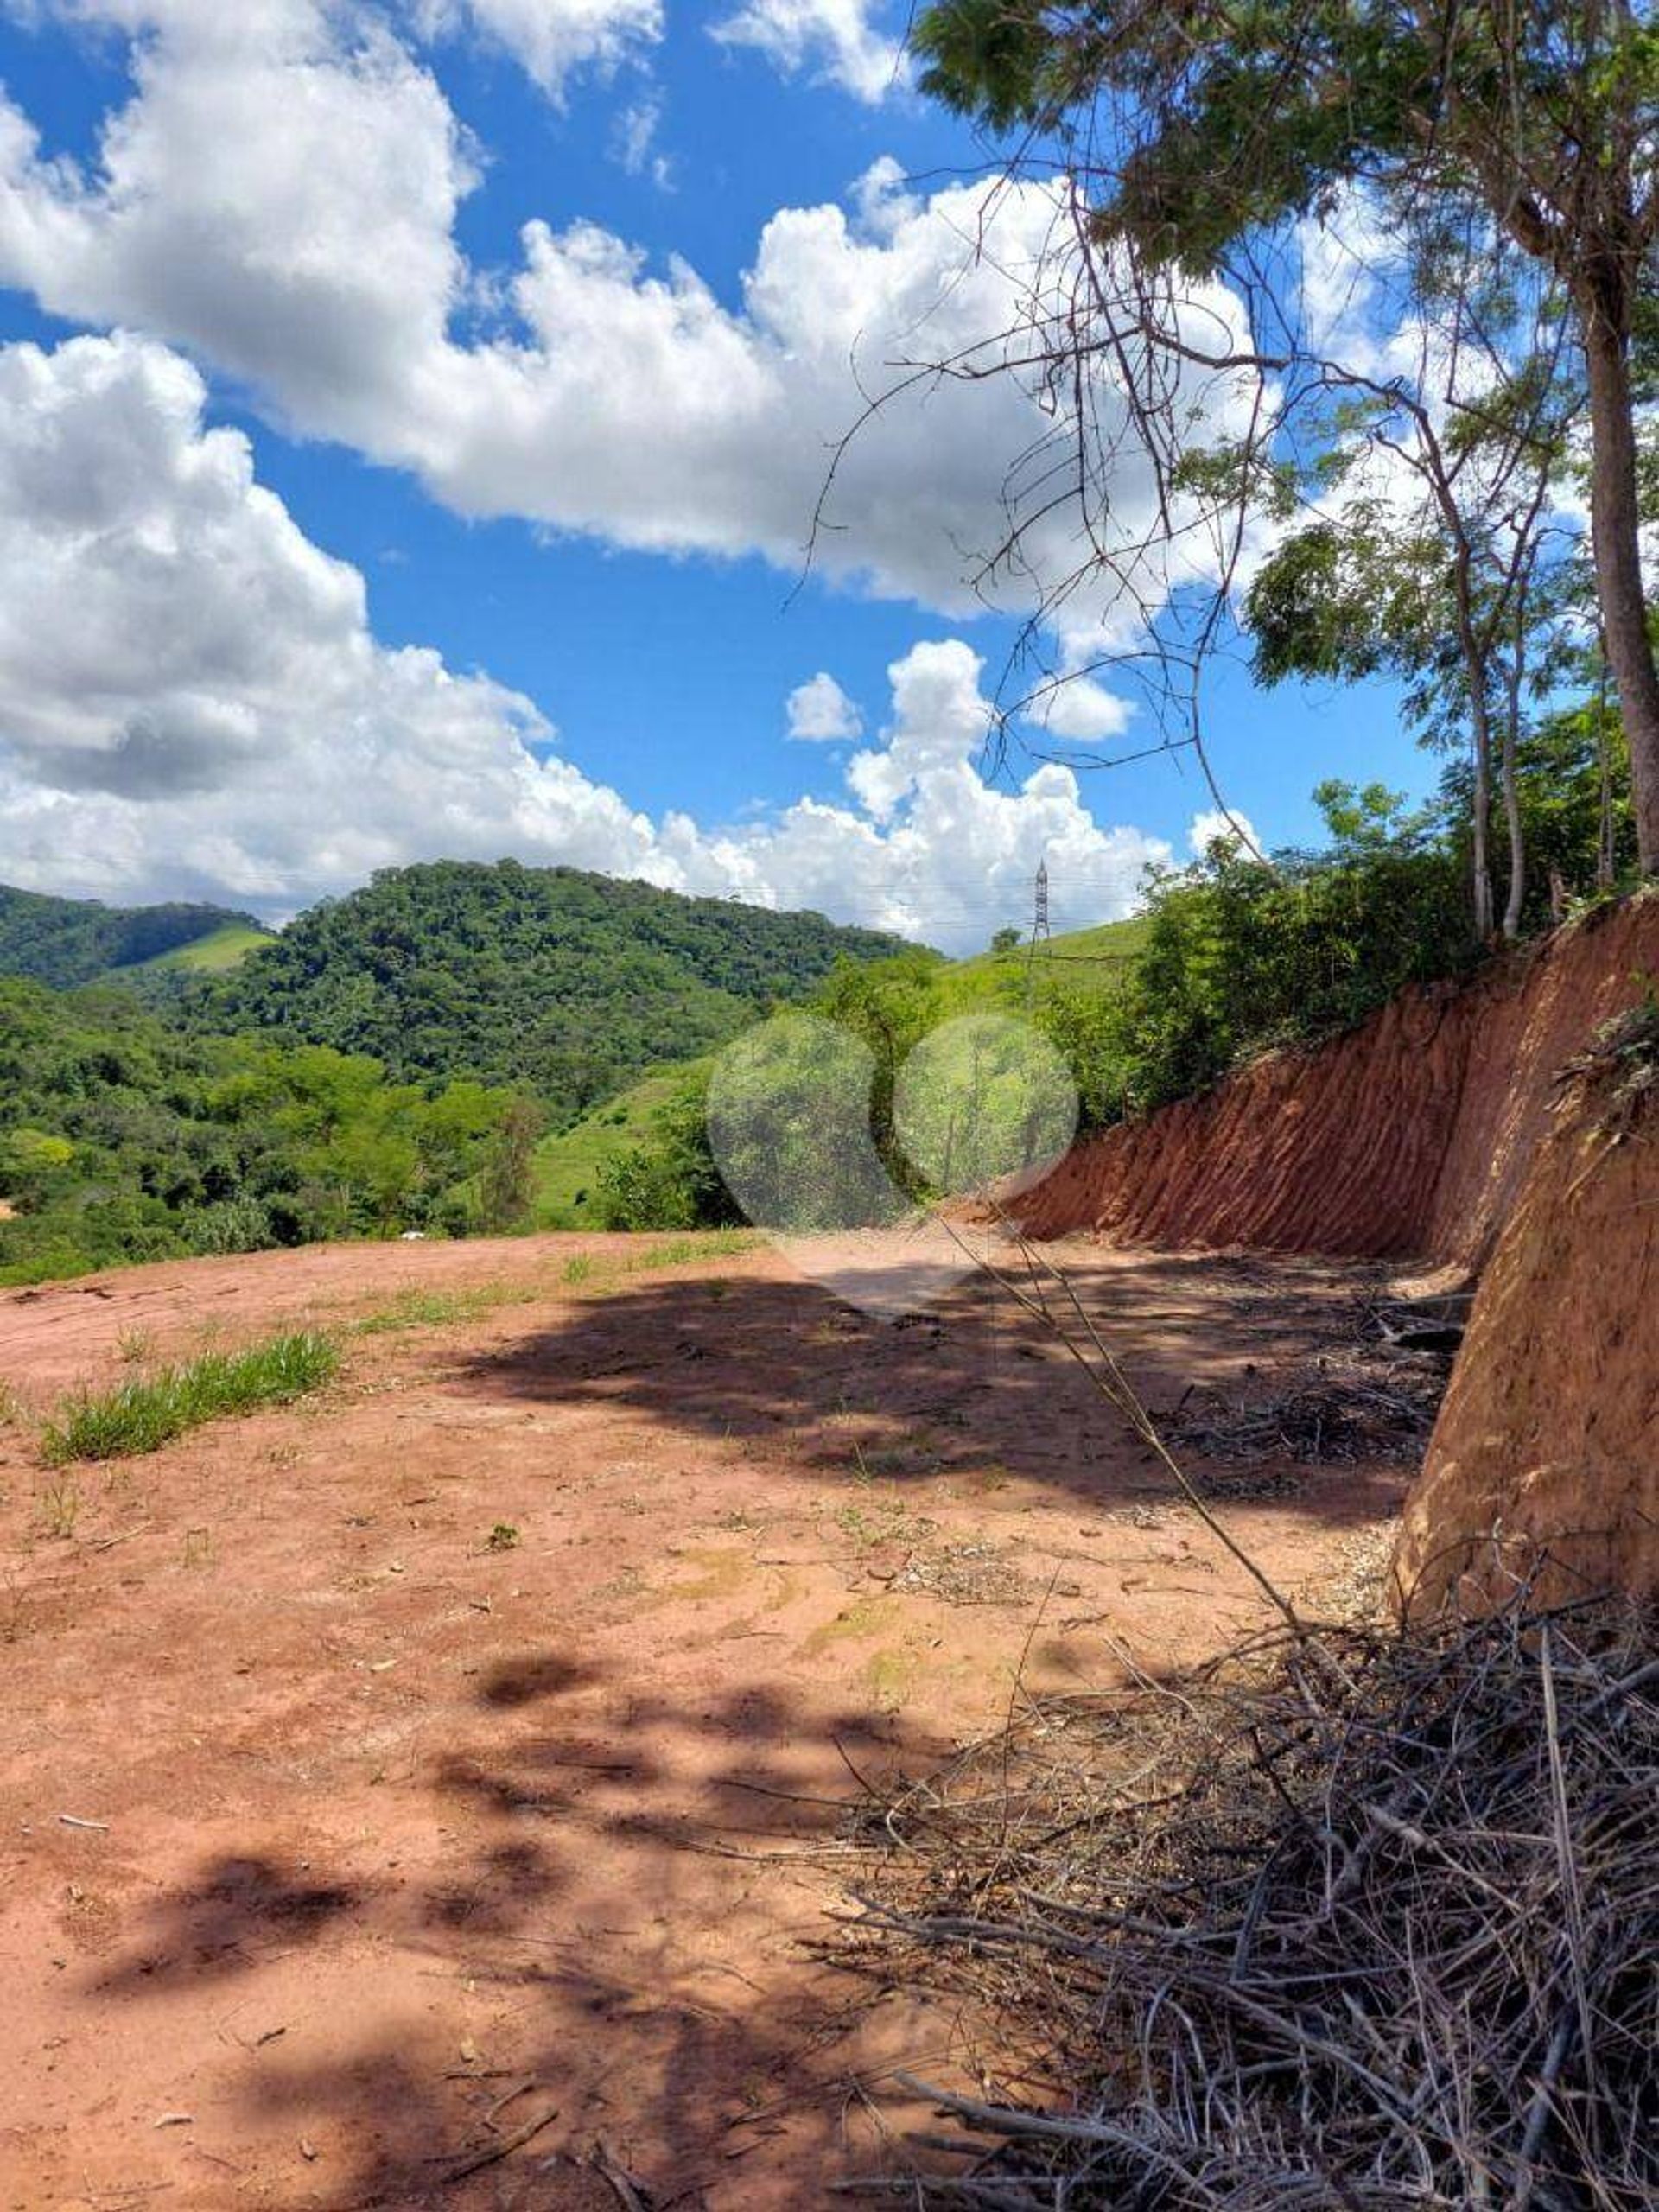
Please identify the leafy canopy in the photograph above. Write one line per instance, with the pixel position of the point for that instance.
(122, 1140)
(1224, 119)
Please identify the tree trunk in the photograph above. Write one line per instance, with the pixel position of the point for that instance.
(1616, 532)
(1515, 677)
(1607, 834)
(1475, 669)
(1480, 828)
(1517, 898)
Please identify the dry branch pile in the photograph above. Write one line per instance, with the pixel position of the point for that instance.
(1361, 1921)
(1338, 1412)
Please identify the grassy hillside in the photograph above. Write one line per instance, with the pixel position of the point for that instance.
(65, 942)
(565, 983)
(568, 1166)
(1106, 946)
(213, 955)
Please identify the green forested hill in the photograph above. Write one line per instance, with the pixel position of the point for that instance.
(65, 942)
(564, 983)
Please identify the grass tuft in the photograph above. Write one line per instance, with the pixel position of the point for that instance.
(437, 1309)
(150, 1411)
(697, 1244)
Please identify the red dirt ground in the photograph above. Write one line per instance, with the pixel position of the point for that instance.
(404, 1841)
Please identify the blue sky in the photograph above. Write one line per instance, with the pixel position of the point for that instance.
(583, 503)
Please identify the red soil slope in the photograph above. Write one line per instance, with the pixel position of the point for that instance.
(1410, 1138)
(1442, 1132)
(1549, 1439)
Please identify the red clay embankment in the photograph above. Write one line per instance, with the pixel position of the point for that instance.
(1442, 1131)
(1549, 1438)
(1410, 1138)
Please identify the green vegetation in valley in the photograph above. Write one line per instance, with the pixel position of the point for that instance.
(65, 942)
(220, 1099)
(641, 1160)
(123, 1140)
(564, 984)
(130, 1133)
(1234, 956)
(152, 1410)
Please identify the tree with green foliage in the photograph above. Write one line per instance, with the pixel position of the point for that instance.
(1200, 135)
(1464, 587)
(670, 1179)
(1573, 797)
(122, 1140)
(508, 1184)
(1242, 956)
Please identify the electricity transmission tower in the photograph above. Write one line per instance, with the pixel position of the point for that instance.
(1039, 927)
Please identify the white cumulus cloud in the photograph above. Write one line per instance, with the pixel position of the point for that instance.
(551, 38)
(821, 712)
(1079, 710)
(836, 39)
(1213, 823)
(193, 702)
(279, 196)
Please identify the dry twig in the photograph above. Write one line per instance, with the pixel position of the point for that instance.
(1292, 1935)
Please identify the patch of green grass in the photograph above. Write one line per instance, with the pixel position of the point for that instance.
(437, 1309)
(59, 1503)
(150, 1411)
(1092, 958)
(213, 955)
(696, 1244)
(582, 1268)
(568, 1166)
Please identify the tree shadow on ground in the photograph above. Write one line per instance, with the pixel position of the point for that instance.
(601, 1830)
(618, 1875)
(791, 1369)
(220, 1924)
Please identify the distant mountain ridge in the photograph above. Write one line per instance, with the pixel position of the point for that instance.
(565, 982)
(67, 942)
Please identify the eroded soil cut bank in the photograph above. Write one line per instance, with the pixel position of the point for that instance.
(1408, 1139)
(1547, 1442)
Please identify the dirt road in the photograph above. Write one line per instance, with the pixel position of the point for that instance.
(468, 1746)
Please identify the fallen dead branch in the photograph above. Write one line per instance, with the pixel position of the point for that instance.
(621, 2184)
(491, 2154)
(1289, 1935)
